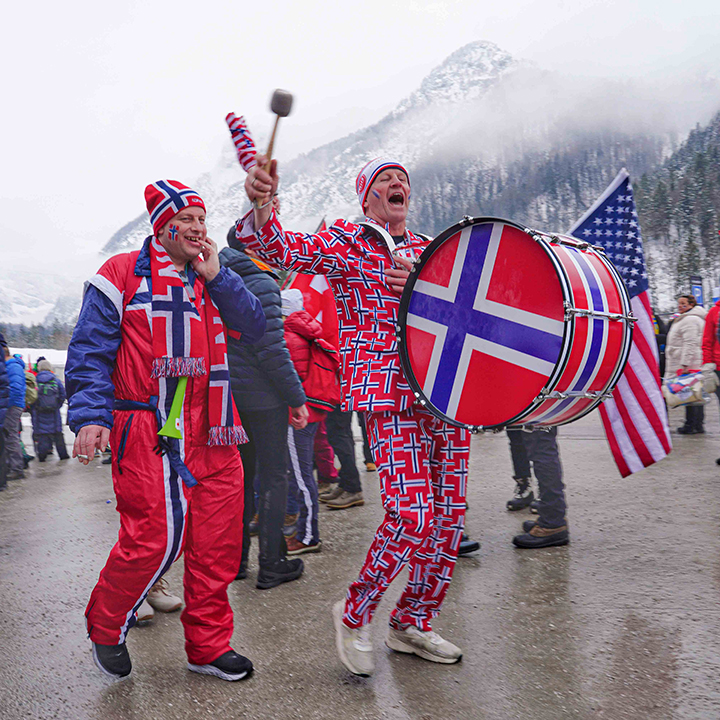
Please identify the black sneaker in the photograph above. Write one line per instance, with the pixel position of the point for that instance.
(113, 660)
(467, 545)
(281, 572)
(535, 507)
(523, 495)
(229, 666)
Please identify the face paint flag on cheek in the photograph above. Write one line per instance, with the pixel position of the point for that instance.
(173, 232)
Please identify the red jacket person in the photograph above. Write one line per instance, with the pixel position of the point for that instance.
(422, 462)
(151, 321)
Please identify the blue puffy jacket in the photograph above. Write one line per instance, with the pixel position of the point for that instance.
(47, 422)
(262, 375)
(16, 376)
(4, 390)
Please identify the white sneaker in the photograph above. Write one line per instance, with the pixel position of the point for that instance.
(428, 645)
(145, 612)
(353, 644)
(161, 599)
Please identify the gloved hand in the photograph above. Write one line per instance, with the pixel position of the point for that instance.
(242, 139)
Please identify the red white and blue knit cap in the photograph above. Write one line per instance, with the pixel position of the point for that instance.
(366, 177)
(166, 198)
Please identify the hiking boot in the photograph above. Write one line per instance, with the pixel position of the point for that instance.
(331, 493)
(290, 526)
(427, 645)
(528, 525)
(113, 660)
(523, 495)
(145, 613)
(229, 666)
(540, 537)
(370, 466)
(353, 644)
(323, 487)
(295, 547)
(281, 572)
(467, 545)
(161, 599)
(254, 526)
(345, 500)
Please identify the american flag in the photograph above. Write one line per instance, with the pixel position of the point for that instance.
(634, 418)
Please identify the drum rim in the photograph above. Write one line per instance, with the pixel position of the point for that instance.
(427, 253)
(627, 334)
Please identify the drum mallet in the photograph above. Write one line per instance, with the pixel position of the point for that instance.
(281, 105)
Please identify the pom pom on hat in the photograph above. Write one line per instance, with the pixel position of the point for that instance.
(367, 176)
(166, 198)
(292, 301)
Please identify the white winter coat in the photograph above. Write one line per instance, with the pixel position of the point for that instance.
(683, 345)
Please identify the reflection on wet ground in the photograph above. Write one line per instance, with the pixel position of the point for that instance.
(622, 623)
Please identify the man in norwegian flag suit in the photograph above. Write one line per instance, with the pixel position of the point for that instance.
(152, 320)
(422, 462)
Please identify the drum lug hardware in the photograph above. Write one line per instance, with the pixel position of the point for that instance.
(534, 234)
(466, 220)
(556, 395)
(594, 314)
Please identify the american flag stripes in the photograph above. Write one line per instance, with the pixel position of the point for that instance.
(634, 418)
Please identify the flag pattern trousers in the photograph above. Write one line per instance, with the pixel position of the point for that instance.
(422, 463)
(160, 518)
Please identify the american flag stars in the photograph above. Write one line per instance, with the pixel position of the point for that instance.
(615, 228)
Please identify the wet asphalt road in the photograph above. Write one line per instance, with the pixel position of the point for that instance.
(622, 623)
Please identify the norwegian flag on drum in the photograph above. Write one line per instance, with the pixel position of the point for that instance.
(634, 418)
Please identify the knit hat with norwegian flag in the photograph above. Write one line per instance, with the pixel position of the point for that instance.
(367, 176)
(166, 198)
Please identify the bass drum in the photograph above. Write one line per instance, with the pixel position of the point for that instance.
(500, 325)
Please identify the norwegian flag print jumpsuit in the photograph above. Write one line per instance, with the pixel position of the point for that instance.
(162, 513)
(422, 462)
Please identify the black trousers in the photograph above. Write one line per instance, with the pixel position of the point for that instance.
(45, 444)
(540, 448)
(367, 454)
(339, 432)
(265, 458)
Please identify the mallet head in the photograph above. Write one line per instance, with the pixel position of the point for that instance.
(281, 103)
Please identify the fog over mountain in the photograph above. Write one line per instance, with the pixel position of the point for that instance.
(484, 134)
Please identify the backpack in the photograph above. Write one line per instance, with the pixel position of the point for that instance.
(322, 384)
(31, 391)
(48, 396)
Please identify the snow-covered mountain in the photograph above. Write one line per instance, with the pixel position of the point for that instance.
(484, 134)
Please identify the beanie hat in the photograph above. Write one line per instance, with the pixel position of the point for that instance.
(367, 176)
(166, 198)
(292, 301)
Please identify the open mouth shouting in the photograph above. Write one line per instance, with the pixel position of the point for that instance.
(397, 199)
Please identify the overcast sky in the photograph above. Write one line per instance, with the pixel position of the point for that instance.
(101, 99)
